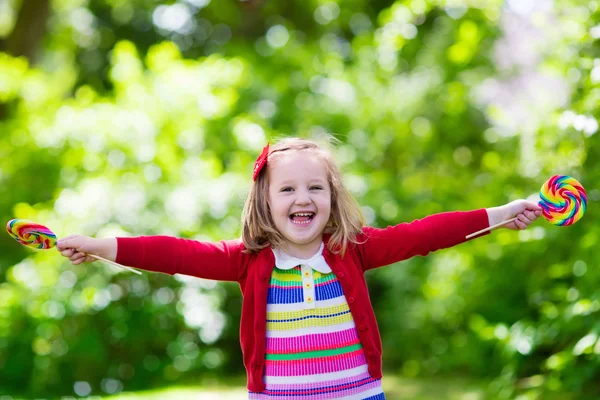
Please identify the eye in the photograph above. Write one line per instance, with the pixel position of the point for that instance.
(317, 187)
(286, 189)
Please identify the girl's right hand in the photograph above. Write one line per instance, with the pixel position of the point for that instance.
(77, 247)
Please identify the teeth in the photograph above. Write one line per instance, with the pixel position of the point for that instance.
(301, 223)
(310, 215)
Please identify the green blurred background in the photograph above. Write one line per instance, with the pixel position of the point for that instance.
(138, 117)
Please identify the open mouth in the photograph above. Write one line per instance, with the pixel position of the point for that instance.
(302, 218)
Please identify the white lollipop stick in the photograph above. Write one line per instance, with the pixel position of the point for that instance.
(490, 228)
(114, 263)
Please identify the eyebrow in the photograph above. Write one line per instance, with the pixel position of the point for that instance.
(316, 180)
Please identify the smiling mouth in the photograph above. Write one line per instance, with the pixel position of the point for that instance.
(302, 218)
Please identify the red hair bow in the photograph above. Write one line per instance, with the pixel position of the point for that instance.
(261, 161)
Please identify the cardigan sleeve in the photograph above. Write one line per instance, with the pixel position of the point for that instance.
(379, 247)
(222, 261)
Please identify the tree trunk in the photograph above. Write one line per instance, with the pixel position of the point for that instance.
(27, 34)
(29, 29)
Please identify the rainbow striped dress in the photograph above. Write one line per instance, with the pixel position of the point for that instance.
(312, 349)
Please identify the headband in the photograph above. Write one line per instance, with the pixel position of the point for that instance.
(261, 161)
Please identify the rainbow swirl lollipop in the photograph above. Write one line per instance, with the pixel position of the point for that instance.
(31, 234)
(563, 200)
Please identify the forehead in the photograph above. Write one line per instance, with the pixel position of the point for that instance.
(297, 165)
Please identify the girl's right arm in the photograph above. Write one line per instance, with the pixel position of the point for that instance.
(209, 260)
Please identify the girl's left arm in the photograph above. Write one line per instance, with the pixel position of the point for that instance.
(525, 211)
(379, 247)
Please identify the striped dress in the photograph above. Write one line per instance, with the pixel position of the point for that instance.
(312, 345)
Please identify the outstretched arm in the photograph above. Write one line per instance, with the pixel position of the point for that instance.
(396, 243)
(219, 260)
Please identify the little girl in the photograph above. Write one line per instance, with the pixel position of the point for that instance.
(307, 330)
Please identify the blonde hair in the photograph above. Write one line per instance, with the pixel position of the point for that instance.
(346, 219)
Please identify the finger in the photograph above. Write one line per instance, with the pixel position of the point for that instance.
(520, 224)
(68, 242)
(63, 244)
(77, 256)
(67, 253)
(533, 206)
(531, 215)
(524, 219)
(77, 262)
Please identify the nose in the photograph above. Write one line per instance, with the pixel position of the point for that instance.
(302, 197)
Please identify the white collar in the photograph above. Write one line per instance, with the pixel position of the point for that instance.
(317, 262)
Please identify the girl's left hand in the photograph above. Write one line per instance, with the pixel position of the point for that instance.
(525, 211)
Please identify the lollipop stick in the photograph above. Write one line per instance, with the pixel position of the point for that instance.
(490, 228)
(114, 263)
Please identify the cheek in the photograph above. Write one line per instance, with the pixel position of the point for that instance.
(272, 204)
(327, 202)
(278, 208)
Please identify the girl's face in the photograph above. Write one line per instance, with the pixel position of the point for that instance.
(300, 201)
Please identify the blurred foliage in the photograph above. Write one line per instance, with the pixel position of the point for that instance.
(144, 117)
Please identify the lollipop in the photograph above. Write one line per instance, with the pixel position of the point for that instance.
(38, 236)
(31, 234)
(563, 200)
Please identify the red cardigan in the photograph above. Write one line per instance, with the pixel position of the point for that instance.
(225, 261)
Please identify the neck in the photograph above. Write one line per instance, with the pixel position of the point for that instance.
(302, 252)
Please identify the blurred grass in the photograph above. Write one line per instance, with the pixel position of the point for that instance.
(445, 388)
(394, 387)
